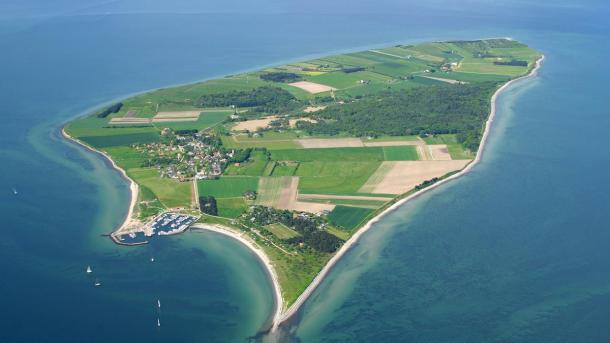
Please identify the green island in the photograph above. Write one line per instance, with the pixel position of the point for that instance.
(297, 158)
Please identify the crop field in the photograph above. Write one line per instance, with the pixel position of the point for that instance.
(285, 168)
(270, 140)
(121, 140)
(170, 193)
(282, 231)
(252, 125)
(341, 80)
(334, 177)
(205, 120)
(401, 176)
(273, 191)
(227, 186)
(348, 217)
(312, 87)
(399, 153)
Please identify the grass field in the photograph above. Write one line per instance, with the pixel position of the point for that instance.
(170, 193)
(255, 166)
(227, 186)
(121, 140)
(326, 177)
(270, 140)
(125, 157)
(399, 153)
(456, 150)
(348, 217)
(285, 168)
(231, 207)
(281, 231)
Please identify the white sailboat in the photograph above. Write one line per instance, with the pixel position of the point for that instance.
(14, 191)
(89, 270)
(152, 259)
(158, 303)
(97, 283)
(158, 322)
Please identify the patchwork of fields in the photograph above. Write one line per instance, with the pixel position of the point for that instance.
(299, 156)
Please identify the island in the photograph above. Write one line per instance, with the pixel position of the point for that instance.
(298, 160)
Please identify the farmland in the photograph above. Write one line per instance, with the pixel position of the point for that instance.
(297, 157)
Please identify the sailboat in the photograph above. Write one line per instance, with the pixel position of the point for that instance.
(14, 191)
(158, 303)
(97, 283)
(158, 322)
(152, 259)
(89, 270)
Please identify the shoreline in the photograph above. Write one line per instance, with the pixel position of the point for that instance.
(279, 300)
(133, 187)
(293, 309)
(280, 316)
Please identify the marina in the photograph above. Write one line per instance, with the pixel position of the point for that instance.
(165, 224)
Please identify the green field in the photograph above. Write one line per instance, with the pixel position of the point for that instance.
(281, 231)
(348, 217)
(270, 140)
(326, 177)
(400, 153)
(170, 192)
(255, 166)
(121, 140)
(227, 186)
(231, 207)
(456, 150)
(285, 168)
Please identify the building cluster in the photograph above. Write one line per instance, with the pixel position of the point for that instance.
(184, 157)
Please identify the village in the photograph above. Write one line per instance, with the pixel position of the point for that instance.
(186, 155)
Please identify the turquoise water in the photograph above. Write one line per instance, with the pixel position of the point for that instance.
(515, 251)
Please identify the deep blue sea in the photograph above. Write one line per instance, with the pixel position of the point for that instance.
(516, 251)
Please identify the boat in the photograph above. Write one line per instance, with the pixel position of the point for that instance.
(158, 322)
(158, 303)
(14, 191)
(89, 270)
(97, 283)
(152, 259)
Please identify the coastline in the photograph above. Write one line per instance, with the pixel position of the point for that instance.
(133, 187)
(352, 240)
(240, 237)
(280, 316)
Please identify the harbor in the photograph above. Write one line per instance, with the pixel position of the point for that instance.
(165, 224)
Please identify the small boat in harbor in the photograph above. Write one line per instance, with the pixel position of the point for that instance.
(89, 270)
(97, 283)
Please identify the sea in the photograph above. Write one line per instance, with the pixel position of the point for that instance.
(515, 251)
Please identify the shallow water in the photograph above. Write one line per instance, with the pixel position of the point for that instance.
(516, 250)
